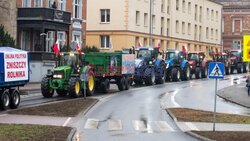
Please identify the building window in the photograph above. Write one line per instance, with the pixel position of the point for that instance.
(223, 25)
(217, 16)
(145, 19)
(105, 15)
(162, 26)
(189, 7)
(62, 5)
(145, 42)
(236, 44)
(176, 45)
(104, 41)
(237, 25)
(49, 3)
(189, 28)
(212, 15)
(195, 32)
(61, 38)
(168, 26)
(183, 28)
(207, 13)
(26, 3)
(212, 34)
(177, 26)
(200, 16)
(207, 33)
(38, 3)
(153, 18)
(162, 5)
(137, 18)
(49, 41)
(77, 9)
(200, 33)
(195, 12)
(177, 5)
(168, 7)
(183, 6)
(76, 37)
(216, 34)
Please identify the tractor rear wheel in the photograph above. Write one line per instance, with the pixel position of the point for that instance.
(90, 86)
(127, 83)
(175, 74)
(138, 81)
(204, 72)
(149, 77)
(47, 91)
(14, 99)
(121, 83)
(197, 73)
(74, 87)
(61, 92)
(4, 99)
(105, 85)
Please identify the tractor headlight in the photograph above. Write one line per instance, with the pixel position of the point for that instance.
(191, 67)
(150, 62)
(58, 76)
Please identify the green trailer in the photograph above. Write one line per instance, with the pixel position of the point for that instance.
(110, 66)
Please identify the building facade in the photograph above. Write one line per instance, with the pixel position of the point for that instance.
(40, 23)
(236, 23)
(8, 16)
(113, 25)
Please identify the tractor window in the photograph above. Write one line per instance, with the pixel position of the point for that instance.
(236, 54)
(171, 55)
(144, 53)
(193, 57)
(71, 60)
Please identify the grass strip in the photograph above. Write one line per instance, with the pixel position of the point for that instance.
(69, 108)
(26, 132)
(191, 115)
(225, 135)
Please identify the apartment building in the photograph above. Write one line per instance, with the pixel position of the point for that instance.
(40, 23)
(235, 23)
(113, 25)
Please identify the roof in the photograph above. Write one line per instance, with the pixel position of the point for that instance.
(173, 51)
(147, 47)
(195, 52)
(10, 49)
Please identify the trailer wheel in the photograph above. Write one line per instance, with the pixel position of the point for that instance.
(149, 77)
(175, 74)
(45, 88)
(105, 85)
(14, 99)
(4, 100)
(61, 92)
(127, 82)
(204, 72)
(90, 86)
(122, 84)
(197, 73)
(74, 87)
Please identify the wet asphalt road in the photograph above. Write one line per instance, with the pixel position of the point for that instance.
(139, 114)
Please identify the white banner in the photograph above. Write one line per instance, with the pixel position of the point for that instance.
(16, 66)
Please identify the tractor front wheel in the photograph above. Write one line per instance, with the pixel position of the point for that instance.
(186, 73)
(175, 74)
(204, 72)
(47, 91)
(239, 68)
(74, 87)
(149, 77)
(197, 73)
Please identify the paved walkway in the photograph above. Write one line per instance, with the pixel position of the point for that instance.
(203, 126)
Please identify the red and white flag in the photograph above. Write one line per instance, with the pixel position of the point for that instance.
(78, 49)
(56, 48)
(184, 48)
(139, 44)
(159, 44)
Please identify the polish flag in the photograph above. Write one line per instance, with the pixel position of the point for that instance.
(184, 48)
(139, 45)
(78, 49)
(56, 48)
(159, 44)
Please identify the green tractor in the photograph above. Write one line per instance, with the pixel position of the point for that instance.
(70, 76)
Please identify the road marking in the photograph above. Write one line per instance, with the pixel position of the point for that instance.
(67, 121)
(91, 124)
(115, 125)
(3, 115)
(163, 125)
(142, 126)
(173, 99)
(191, 126)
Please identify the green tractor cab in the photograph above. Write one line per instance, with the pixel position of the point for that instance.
(71, 75)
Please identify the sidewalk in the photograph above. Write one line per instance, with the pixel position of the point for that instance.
(30, 88)
(237, 94)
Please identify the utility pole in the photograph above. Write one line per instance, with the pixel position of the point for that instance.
(151, 23)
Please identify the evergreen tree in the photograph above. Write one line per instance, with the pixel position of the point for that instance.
(5, 39)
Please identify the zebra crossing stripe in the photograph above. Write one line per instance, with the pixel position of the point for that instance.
(139, 125)
(91, 124)
(163, 126)
(115, 125)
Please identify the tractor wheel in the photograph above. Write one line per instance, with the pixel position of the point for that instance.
(121, 83)
(204, 72)
(74, 87)
(90, 85)
(14, 99)
(227, 70)
(127, 83)
(239, 68)
(138, 81)
(47, 91)
(197, 73)
(161, 79)
(4, 99)
(232, 70)
(61, 92)
(105, 85)
(186, 73)
(175, 74)
(149, 77)
(244, 68)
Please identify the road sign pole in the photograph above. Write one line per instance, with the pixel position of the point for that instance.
(216, 81)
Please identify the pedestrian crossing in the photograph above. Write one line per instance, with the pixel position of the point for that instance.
(137, 125)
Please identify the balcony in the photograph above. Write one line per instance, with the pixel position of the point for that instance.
(44, 14)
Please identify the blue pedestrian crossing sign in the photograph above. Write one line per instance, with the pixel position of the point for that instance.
(216, 70)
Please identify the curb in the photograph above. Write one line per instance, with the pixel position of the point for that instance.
(71, 134)
(83, 113)
(29, 91)
(232, 101)
(190, 133)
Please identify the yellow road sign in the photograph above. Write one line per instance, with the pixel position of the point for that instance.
(246, 48)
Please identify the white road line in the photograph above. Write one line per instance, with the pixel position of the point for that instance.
(141, 126)
(67, 121)
(163, 125)
(191, 126)
(91, 124)
(173, 99)
(115, 125)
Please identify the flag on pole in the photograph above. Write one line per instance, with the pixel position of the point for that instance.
(184, 48)
(111, 44)
(56, 48)
(139, 45)
(159, 44)
(78, 49)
